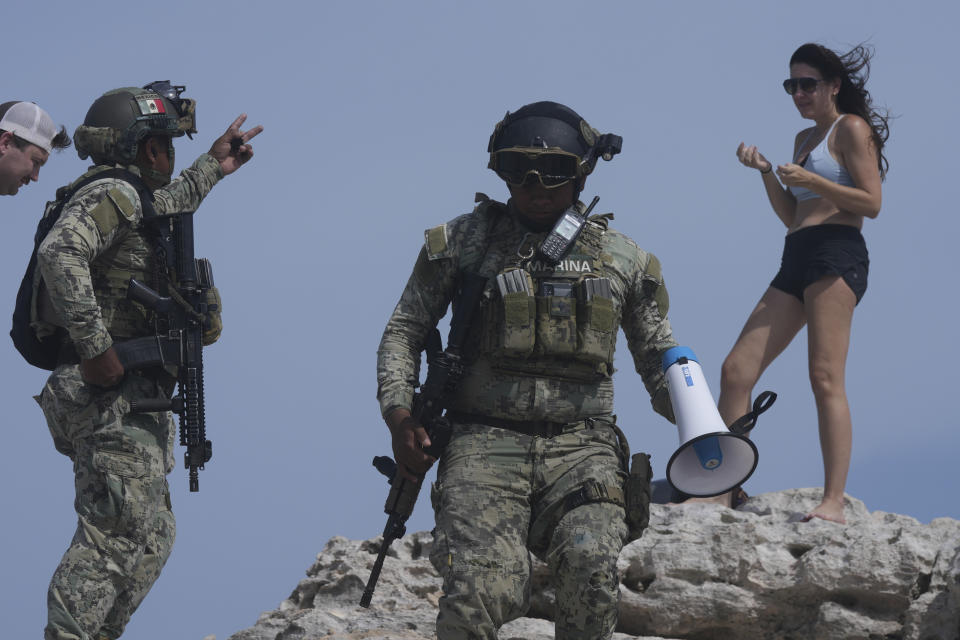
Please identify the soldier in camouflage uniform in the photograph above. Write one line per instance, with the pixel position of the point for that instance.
(120, 460)
(535, 462)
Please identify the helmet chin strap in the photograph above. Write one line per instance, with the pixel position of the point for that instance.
(578, 188)
(156, 177)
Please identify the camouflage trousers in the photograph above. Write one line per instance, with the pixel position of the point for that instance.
(125, 527)
(500, 495)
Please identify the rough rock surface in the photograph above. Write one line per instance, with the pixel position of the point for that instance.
(699, 572)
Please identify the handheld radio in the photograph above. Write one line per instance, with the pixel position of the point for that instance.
(565, 233)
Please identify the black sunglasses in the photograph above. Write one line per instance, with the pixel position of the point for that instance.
(807, 85)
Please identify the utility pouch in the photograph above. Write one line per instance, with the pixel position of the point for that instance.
(212, 306)
(557, 318)
(596, 323)
(213, 322)
(516, 334)
(636, 495)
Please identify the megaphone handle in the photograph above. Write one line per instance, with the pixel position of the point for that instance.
(761, 403)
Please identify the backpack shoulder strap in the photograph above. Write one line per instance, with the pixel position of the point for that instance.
(48, 220)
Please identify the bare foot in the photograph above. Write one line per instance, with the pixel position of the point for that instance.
(827, 510)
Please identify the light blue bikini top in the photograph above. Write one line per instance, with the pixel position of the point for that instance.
(820, 162)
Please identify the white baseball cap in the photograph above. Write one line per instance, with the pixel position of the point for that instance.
(28, 121)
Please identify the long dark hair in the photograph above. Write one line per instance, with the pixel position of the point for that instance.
(853, 69)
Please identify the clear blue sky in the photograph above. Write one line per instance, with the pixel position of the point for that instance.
(377, 116)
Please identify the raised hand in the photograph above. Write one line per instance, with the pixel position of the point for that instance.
(231, 149)
(751, 157)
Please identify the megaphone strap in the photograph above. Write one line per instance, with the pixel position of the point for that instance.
(744, 424)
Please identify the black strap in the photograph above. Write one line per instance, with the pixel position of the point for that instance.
(745, 423)
(540, 428)
(146, 199)
(592, 491)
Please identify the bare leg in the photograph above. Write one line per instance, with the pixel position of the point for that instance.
(775, 321)
(829, 304)
(771, 326)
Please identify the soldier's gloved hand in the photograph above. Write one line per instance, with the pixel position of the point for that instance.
(409, 438)
(103, 370)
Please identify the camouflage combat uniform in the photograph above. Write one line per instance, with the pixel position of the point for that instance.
(534, 461)
(120, 460)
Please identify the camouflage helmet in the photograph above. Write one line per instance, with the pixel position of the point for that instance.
(545, 127)
(118, 120)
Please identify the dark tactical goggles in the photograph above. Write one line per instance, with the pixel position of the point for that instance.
(807, 85)
(552, 168)
(186, 108)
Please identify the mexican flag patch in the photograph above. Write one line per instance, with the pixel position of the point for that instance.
(150, 105)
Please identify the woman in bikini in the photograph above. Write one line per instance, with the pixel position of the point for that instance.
(832, 184)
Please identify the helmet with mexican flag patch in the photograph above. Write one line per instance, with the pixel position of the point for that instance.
(118, 120)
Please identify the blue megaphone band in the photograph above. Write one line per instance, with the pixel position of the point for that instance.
(708, 452)
(673, 354)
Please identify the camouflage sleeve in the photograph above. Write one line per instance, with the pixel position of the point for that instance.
(89, 224)
(648, 331)
(188, 189)
(423, 302)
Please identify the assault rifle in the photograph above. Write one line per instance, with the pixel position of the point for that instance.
(444, 371)
(179, 333)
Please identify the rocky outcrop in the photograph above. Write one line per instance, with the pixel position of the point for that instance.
(699, 572)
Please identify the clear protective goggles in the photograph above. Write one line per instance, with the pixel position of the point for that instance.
(553, 167)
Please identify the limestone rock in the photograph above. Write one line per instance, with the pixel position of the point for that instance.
(700, 571)
(705, 571)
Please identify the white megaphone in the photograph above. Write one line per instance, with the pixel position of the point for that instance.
(711, 459)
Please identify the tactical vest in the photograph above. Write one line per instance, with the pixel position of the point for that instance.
(546, 321)
(37, 332)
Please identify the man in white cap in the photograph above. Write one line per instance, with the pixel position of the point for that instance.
(27, 134)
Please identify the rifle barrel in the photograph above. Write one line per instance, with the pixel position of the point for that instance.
(374, 576)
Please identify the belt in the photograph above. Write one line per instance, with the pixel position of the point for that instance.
(539, 428)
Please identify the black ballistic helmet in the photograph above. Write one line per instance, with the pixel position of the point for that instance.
(543, 125)
(118, 120)
(549, 126)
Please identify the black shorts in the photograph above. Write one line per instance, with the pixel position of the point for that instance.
(825, 249)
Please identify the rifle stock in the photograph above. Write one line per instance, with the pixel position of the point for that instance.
(444, 371)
